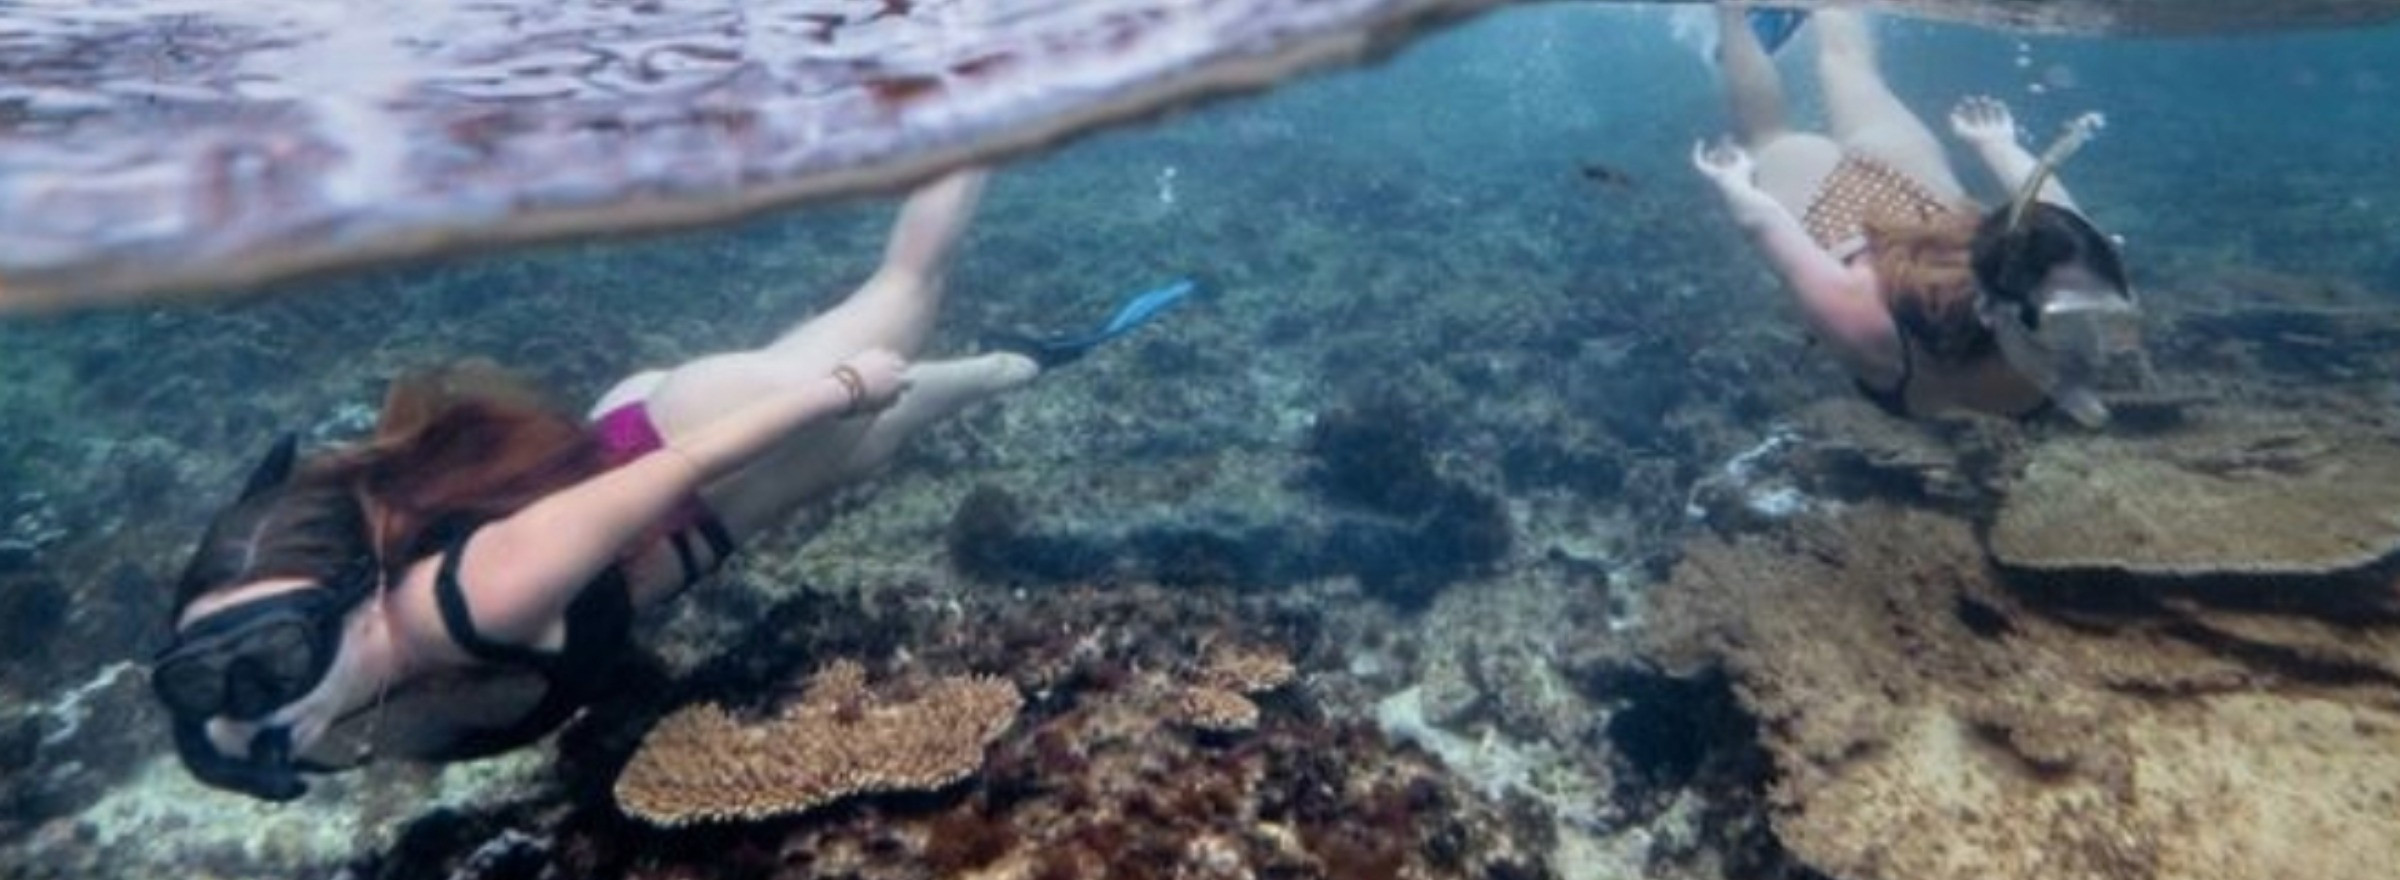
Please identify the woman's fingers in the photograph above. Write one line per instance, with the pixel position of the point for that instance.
(1721, 160)
(1981, 116)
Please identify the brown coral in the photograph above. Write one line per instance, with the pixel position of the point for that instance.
(701, 764)
(1247, 670)
(1214, 710)
(1216, 699)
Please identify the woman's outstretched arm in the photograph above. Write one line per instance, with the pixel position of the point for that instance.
(1839, 306)
(1985, 124)
(521, 572)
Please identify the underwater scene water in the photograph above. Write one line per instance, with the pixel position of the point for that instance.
(1487, 510)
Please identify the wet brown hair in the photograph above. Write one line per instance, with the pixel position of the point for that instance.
(454, 446)
(465, 443)
(1925, 271)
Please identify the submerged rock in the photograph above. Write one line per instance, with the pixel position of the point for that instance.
(1930, 719)
(2238, 492)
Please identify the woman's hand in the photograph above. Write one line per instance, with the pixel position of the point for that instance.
(1981, 119)
(1728, 165)
(874, 378)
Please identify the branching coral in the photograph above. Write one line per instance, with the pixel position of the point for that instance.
(702, 764)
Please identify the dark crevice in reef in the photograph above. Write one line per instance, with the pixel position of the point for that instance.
(1674, 735)
(1390, 519)
(2283, 661)
(1980, 618)
(2366, 596)
(2181, 607)
(443, 842)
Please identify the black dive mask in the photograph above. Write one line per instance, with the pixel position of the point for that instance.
(2010, 264)
(246, 661)
(2070, 340)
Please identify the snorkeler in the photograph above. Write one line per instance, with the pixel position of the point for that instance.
(463, 582)
(1931, 302)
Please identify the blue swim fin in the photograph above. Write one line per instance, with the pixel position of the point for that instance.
(1057, 351)
(1775, 27)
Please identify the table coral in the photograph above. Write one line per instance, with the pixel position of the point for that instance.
(2236, 493)
(841, 738)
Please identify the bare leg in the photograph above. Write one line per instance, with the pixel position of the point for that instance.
(1752, 87)
(895, 309)
(1791, 164)
(1867, 118)
(820, 460)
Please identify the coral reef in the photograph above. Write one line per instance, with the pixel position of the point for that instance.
(1218, 701)
(1245, 670)
(1930, 718)
(1097, 780)
(839, 739)
(1214, 710)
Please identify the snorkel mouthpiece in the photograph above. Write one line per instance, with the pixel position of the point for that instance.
(2094, 341)
(266, 773)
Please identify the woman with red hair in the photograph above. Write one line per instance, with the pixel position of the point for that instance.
(462, 583)
(1930, 301)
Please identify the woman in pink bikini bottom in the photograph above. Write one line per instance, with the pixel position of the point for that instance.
(462, 583)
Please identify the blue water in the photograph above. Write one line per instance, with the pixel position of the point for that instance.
(1421, 229)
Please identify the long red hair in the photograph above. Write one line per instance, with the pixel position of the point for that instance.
(454, 446)
(461, 444)
(1922, 266)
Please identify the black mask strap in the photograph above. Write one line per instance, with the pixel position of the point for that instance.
(275, 468)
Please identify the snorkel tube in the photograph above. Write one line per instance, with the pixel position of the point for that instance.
(2078, 132)
(2060, 338)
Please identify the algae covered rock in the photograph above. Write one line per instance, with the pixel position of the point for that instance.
(1929, 719)
(2255, 494)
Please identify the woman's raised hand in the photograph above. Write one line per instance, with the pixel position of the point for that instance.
(1728, 165)
(1982, 119)
(874, 377)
